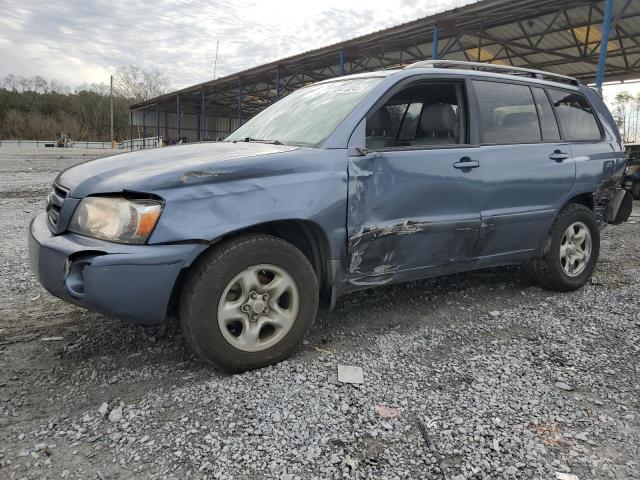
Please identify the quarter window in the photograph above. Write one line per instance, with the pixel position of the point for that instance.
(507, 113)
(576, 116)
(548, 124)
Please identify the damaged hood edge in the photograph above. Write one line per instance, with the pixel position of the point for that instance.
(159, 168)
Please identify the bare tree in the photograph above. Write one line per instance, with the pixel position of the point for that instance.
(626, 112)
(37, 108)
(139, 84)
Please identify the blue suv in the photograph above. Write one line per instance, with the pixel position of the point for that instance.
(346, 184)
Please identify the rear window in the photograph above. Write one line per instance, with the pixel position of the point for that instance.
(507, 113)
(576, 116)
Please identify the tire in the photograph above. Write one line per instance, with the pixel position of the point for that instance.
(248, 258)
(550, 269)
(635, 190)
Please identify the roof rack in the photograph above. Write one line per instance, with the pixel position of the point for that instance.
(490, 67)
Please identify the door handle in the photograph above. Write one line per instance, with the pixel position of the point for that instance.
(558, 156)
(466, 162)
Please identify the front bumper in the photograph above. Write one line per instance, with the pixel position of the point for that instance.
(132, 282)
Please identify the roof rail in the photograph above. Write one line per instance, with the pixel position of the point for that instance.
(490, 67)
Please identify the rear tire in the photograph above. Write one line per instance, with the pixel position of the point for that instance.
(635, 190)
(248, 303)
(570, 250)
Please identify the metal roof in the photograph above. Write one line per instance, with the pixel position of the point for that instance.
(560, 36)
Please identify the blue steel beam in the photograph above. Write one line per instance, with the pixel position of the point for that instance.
(239, 102)
(131, 128)
(277, 82)
(203, 113)
(436, 35)
(158, 123)
(341, 62)
(177, 118)
(166, 125)
(144, 128)
(604, 44)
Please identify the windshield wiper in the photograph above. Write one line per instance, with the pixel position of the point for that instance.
(257, 140)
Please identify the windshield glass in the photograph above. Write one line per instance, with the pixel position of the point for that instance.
(307, 116)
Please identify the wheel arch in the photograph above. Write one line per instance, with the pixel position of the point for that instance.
(307, 236)
(584, 198)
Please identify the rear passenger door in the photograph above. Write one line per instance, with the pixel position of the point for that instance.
(527, 169)
(579, 127)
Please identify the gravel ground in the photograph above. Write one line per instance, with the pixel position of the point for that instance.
(486, 376)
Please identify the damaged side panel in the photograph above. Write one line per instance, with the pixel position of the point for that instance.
(409, 212)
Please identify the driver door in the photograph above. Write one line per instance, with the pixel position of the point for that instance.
(415, 195)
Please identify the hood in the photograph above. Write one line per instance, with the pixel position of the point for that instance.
(148, 170)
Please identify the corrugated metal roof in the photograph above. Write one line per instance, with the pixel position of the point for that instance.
(561, 36)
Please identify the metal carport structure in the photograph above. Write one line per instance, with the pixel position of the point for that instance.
(583, 39)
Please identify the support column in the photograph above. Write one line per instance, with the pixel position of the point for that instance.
(177, 118)
(203, 116)
(604, 44)
(144, 129)
(277, 82)
(436, 37)
(341, 62)
(239, 102)
(131, 129)
(158, 124)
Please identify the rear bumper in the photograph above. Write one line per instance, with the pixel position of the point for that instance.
(132, 282)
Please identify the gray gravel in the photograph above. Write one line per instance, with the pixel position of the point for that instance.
(492, 377)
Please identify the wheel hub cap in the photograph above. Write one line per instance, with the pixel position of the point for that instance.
(575, 249)
(258, 307)
(256, 304)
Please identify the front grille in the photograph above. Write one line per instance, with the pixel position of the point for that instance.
(55, 200)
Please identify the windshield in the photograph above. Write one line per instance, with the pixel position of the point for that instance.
(307, 116)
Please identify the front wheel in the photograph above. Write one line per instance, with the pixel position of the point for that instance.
(570, 250)
(249, 303)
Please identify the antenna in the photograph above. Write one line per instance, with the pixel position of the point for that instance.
(215, 63)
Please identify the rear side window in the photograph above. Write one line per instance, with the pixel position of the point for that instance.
(507, 113)
(576, 117)
(548, 124)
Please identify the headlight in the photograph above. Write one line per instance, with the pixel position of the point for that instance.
(116, 219)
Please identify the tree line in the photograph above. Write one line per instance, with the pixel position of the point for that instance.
(36, 108)
(626, 112)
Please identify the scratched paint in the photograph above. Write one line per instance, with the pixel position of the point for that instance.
(198, 174)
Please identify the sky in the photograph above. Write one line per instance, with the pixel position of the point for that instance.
(84, 41)
(78, 41)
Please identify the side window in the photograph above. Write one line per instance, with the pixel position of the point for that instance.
(396, 112)
(430, 117)
(548, 124)
(507, 113)
(576, 116)
(410, 124)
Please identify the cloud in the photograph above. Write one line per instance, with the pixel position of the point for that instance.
(83, 41)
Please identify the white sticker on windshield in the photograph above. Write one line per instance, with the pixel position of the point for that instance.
(350, 88)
